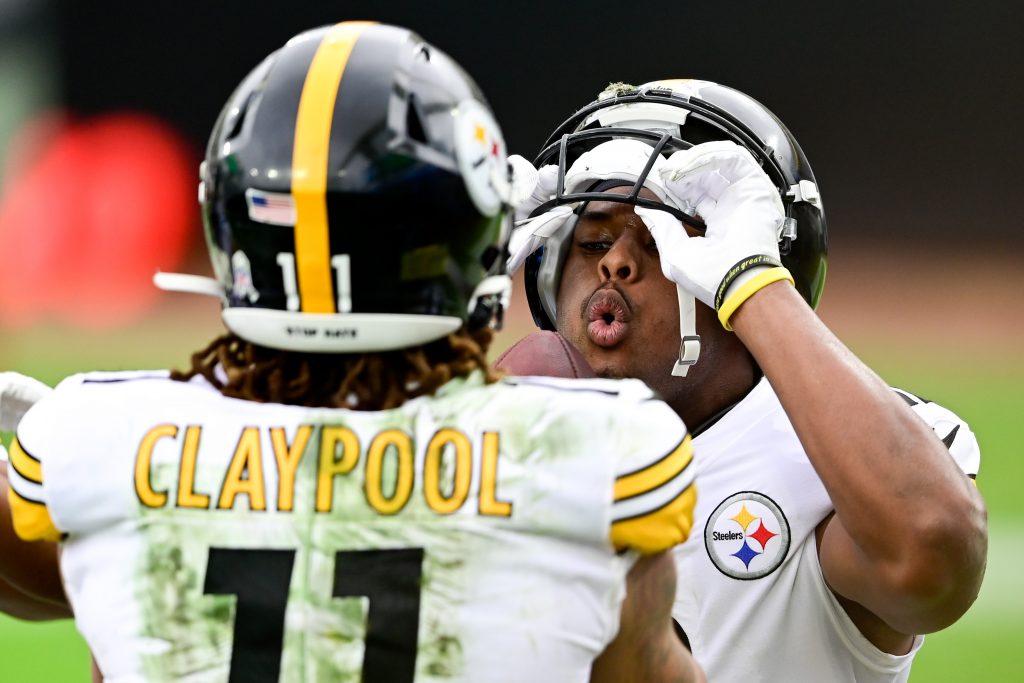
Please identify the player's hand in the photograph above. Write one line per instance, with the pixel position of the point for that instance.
(531, 234)
(530, 187)
(739, 253)
(616, 159)
(18, 393)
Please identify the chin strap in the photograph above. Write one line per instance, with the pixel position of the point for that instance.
(689, 346)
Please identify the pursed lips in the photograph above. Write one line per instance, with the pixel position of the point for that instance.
(608, 315)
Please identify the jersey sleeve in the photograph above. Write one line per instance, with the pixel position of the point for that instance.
(29, 514)
(36, 438)
(953, 431)
(654, 492)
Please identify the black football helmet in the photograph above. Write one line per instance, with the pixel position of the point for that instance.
(354, 195)
(669, 116)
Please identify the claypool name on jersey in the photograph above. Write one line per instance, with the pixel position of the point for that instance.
(386, 467)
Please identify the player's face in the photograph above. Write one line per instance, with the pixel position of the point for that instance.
(615, 305)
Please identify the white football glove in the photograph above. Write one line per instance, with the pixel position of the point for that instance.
(739, 253)
(530, 187)
(18, 393)
(619, 159)
(530, 235)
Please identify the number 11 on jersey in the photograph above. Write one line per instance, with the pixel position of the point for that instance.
(260, 579)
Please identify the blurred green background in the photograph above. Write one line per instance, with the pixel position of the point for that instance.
(985, 646)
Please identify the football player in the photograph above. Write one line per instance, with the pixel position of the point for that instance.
(675, 233)
(341, 488)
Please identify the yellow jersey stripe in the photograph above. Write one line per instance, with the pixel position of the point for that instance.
(31, 520)
(660, 529)
(655, 475)
(25, 465)
(309, 165)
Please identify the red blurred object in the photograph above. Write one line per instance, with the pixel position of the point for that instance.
(544, 353)
(89, 215)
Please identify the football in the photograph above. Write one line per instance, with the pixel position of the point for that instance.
(544, 353)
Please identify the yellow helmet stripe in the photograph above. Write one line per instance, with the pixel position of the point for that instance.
(309, 165)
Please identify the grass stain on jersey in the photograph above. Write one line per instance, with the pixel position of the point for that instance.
(442, 657)
(190, 632)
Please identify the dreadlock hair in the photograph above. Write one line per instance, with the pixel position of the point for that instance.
(358, 381)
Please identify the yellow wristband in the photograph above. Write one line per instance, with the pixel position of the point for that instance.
(747, 290)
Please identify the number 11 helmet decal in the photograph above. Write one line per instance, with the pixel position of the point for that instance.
(354, 196)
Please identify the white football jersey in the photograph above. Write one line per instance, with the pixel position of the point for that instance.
(751, 596)
(481, 534)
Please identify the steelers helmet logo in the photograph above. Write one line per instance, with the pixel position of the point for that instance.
(480, 151)
(747, 536)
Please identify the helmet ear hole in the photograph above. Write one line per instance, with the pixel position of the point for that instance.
(414, 127)
(236, 125)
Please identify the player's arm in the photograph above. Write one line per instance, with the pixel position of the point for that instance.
(646, 649)
(31, 587)
(908, 539)
(29, 571)
(19, 605)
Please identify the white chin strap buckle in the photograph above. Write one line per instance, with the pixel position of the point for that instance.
(689, 347)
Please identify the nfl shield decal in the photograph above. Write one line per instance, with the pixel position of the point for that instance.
(747, 536)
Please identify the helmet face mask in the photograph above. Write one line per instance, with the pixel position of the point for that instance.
(573, 146)
(670, 116)
(354, 195)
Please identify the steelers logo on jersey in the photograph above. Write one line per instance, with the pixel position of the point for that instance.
(747, 536)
